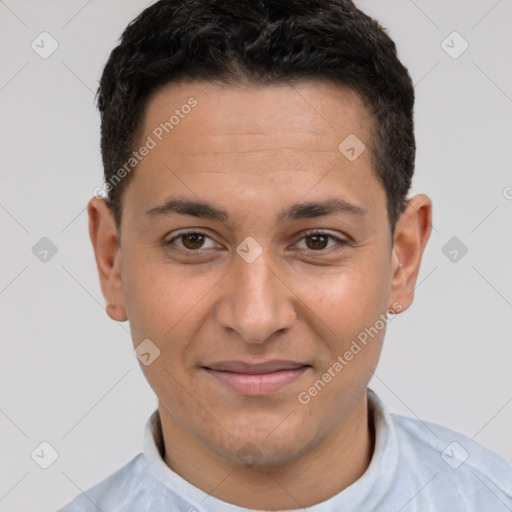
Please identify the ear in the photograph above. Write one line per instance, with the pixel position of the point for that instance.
(107, 251)
(411, 236)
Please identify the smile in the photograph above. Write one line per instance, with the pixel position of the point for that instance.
(257, 379)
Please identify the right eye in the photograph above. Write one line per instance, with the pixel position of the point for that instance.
(190, 241)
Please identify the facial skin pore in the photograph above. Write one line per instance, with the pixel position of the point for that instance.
(255, 151)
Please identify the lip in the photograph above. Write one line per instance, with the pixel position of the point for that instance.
(259, 378)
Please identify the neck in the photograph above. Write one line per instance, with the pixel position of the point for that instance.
(320, 473)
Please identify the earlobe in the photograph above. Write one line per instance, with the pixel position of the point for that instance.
(104, 238)
(116, 313)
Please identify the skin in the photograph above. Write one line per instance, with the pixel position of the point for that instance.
(253, 151)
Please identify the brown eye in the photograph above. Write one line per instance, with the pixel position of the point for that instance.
(191, 241)
(317, 241)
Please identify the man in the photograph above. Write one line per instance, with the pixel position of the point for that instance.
(258, 236)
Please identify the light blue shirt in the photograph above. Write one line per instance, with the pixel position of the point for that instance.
(416, 466)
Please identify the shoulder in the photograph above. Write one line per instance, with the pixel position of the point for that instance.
(124, 486)
(460, 460)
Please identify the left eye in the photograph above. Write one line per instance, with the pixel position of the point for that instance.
(319, 240)
(314, 241)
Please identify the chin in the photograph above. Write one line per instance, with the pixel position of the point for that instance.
(261, 448)
(256, 456)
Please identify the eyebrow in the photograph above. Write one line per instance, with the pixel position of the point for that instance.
(306, 210)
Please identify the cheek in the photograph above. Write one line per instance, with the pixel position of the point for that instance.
(164, 306)
(163, 301)
(346, 300)
(348, 305)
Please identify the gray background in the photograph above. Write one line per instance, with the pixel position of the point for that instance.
(68, 374)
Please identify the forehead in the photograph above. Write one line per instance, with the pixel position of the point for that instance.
(317, 109)
(256, 145)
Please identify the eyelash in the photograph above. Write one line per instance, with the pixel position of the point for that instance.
(341, 242)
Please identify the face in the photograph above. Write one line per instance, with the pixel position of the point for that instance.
(253, 298)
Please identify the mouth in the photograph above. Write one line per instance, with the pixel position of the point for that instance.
(257, 379)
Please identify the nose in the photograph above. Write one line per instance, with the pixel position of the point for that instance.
(257, 303)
